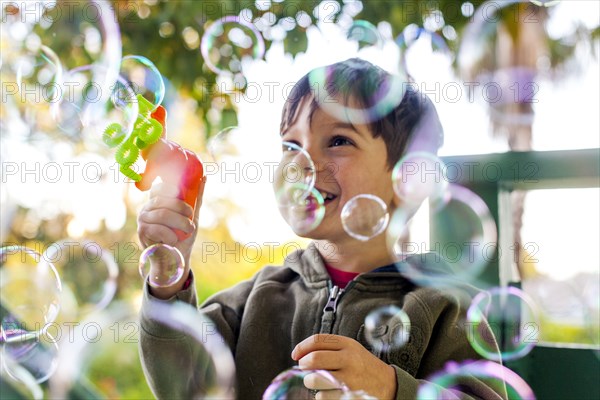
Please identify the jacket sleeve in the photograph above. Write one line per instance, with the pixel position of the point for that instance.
(176, 366)
(447, 343)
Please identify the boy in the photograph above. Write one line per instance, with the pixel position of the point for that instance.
(311, 311)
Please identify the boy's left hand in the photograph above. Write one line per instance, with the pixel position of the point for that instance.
(349, 362)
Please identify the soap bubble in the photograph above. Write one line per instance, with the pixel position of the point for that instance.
(512, 317)
(227, 146)
(364, 216)
(38, 79)
(89, 112)
(509, 91)
(296, 170)
(162, 265)
(79, 32)
(30, 289)
(216, 379)
(109, 337)
(144, 78)
(457, 233)
(417, 176)
(294, 383)
(387, 328)
(419, 46)
(302, 208)
(227, 42)
(497, 377)
(464, 232)
(88, 273)
(379, 103)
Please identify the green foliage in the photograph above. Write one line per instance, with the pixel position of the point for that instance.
(157, 31)
(169, 32)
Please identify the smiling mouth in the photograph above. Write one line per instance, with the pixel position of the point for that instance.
(327, 197)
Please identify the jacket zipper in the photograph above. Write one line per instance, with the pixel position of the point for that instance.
(334, 296)
(330, 309)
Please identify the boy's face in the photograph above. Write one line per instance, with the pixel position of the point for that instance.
(348, 161)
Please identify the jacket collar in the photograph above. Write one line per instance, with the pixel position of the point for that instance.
(309, 264)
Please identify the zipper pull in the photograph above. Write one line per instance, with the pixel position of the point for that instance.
(334, 296)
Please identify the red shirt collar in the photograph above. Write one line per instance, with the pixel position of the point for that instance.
(340, 278)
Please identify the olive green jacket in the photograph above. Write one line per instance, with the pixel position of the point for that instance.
(262, 320)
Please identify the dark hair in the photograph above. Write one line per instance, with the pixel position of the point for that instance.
(363, 82)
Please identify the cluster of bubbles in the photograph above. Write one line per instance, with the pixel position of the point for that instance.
(51, 298)
(40, 291)
(81, 100)
(59, 323)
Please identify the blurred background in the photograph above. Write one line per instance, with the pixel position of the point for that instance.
(505, 77)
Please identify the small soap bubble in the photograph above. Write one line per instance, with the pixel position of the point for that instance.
(302, 208)
(162, 265)
(296, 170)
(88, 272)
(91, 113)
(227, 42)
(387, 328)
(144, 78)
(511, 315)
(418, 176)
(101, 350)
(296, 383)
(39, 77)
(226, 147)
(364, 216)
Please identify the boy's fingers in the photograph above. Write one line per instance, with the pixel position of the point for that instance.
(321, 359)
(151, 234)
(169, 203)
(317, 342)
(169, 218)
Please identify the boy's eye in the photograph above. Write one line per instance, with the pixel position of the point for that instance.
(290, 146)
(340, 141)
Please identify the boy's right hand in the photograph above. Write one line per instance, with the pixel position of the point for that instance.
(160, 215)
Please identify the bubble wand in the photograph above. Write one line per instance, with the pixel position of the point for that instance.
(164, 158)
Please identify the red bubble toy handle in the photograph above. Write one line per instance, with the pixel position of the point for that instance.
(188, 186)
(174, 164)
